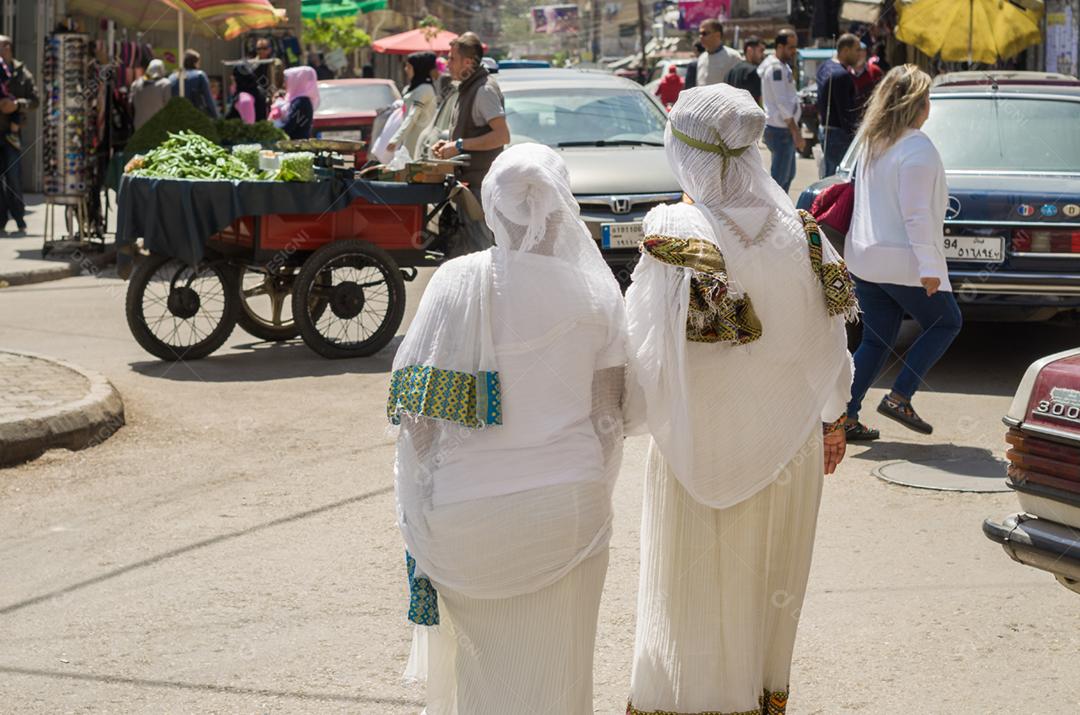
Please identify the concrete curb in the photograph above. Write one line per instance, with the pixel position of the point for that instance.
(61, 270)
(75, 425)
(39, 275)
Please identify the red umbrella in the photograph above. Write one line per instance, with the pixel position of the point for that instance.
(420, 40)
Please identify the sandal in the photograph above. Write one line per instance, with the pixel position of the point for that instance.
(858, 432)
(903, 413)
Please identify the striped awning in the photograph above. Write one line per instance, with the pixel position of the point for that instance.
(214, 18)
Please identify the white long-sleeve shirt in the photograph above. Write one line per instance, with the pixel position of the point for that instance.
(778, 93)
(896, 233)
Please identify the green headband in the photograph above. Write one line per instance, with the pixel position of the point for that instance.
(719, 148)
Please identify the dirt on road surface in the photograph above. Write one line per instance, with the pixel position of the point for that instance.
(233, 549)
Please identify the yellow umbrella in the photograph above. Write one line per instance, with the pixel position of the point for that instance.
(972, 30)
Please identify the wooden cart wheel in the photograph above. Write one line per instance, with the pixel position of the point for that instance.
(177, 312)
(349, 299)
(266, 304)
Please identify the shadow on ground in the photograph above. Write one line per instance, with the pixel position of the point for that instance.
(261, 361)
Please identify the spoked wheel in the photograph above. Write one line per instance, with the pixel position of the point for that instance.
(177, 312)
(266, 304)
(349, 299)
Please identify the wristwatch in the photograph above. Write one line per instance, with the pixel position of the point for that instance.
(460, 146)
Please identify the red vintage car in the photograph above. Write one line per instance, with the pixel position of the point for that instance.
(348, 108)
(1044, 469)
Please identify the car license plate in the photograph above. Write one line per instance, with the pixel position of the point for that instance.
(620, 235)
(351, 136)
(984, 249)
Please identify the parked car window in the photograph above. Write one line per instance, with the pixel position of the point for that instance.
(560, 117)
(346, 98)
(1006, 133)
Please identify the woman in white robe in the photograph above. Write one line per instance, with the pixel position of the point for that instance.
(737, 345)
(507, 389)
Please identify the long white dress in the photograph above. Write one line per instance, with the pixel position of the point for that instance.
(511, 522)
(737, 345)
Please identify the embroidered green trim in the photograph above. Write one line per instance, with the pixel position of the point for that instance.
(713, 315)
(718, 148)
(836, 282)
(771, 702)
(469, 400)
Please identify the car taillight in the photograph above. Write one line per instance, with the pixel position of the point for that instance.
(1046, 241)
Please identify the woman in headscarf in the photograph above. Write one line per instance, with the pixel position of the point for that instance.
(420, 102)
(249, 104)
(295, 114)
(150, 93)
(737, 347)
(507, 388)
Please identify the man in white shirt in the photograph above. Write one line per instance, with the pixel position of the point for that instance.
(782, 108)
(717, 59)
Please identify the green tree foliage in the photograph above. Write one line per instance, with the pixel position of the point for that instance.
(336, 33)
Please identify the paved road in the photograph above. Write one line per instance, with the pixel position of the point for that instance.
(233, 549)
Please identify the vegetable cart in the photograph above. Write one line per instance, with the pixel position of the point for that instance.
(326, 260)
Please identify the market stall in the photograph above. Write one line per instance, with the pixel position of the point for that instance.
(89, 64)
(327, 253)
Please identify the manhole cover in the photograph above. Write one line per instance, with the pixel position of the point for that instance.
(979, 474)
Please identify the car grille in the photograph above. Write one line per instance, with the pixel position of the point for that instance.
(597, 210)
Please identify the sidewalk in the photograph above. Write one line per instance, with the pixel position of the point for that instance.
(20, 254)
(47, 403)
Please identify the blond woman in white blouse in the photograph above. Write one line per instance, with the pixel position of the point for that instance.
(895, 247)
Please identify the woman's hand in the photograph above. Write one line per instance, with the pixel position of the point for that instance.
(835, 448)
(931, 285)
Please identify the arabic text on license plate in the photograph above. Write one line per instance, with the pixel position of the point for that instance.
(620, 235)
(985, 249)
(341, 135)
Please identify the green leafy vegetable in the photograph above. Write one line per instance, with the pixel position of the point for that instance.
(249, 154)
(186, 155)
(234, 131)
(176, 116)
(298, 166)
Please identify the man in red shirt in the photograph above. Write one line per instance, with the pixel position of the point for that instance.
(866, 75)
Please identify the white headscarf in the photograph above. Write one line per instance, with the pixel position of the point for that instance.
(729, 418)
(553, 289)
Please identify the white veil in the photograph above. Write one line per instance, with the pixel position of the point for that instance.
(729, 418)
(474, 532)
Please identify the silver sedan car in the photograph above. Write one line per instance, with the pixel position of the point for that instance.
(610, 132)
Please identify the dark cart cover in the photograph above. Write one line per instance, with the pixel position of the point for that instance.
(175, 217)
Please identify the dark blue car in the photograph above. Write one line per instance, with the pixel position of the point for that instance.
(1011, 149)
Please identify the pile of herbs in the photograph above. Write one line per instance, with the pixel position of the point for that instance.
(177, 116)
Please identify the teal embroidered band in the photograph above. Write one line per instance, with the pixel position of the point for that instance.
(423, 598)
(719, 148)
(469, 400)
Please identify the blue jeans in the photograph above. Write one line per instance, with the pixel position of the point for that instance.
(835, 143)
(11, 198)
(782, 147)
(884, 306)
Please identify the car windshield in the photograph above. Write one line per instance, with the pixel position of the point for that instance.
(583, 117)
(345, 98)
(1005, 133)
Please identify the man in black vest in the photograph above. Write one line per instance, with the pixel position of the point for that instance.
(478, 124)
